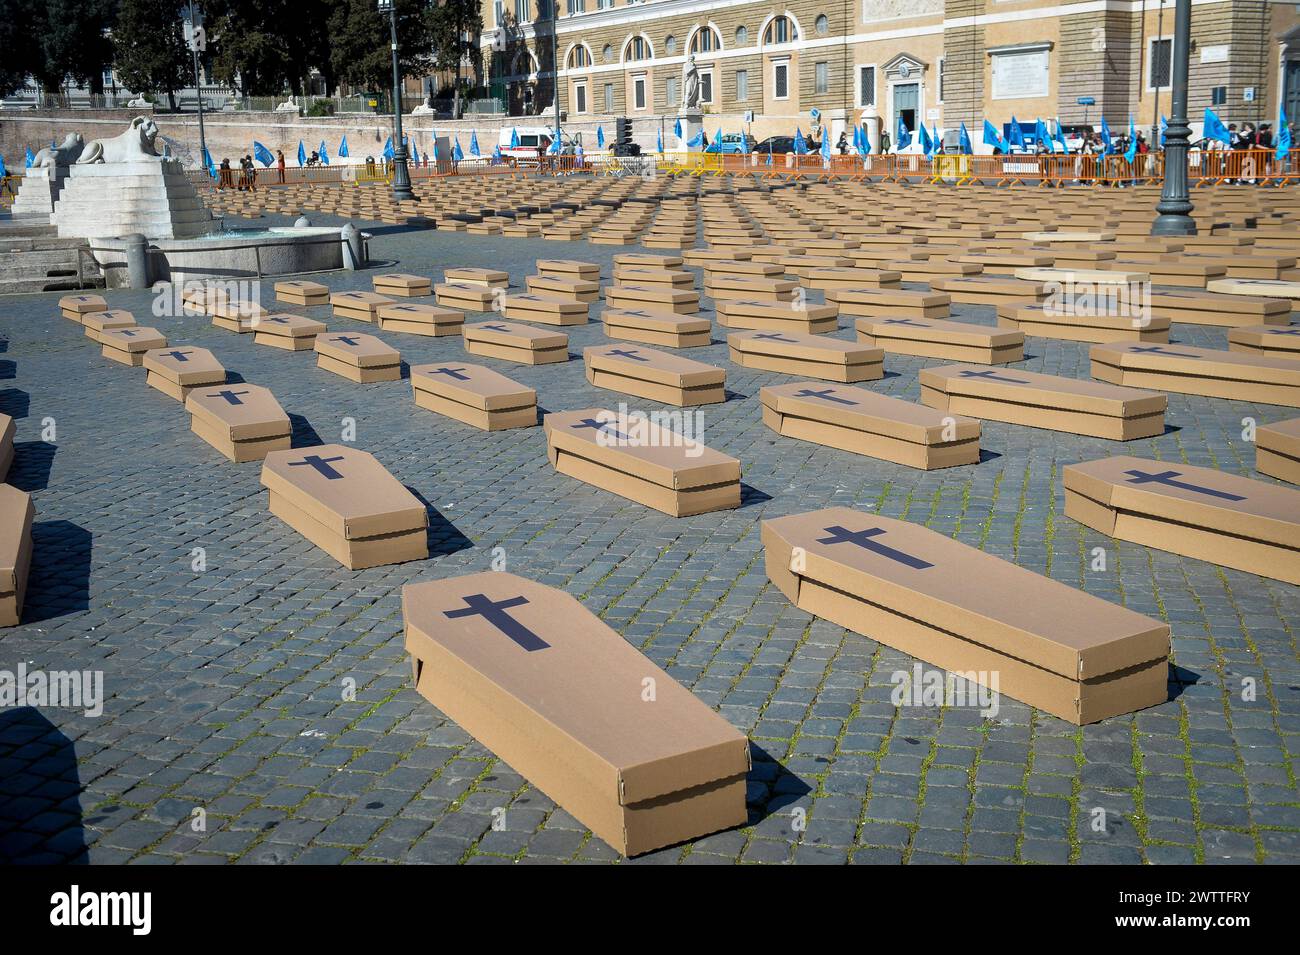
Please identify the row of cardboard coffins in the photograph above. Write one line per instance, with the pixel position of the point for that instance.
(17, 514)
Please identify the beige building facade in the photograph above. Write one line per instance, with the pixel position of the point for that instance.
(766, 65)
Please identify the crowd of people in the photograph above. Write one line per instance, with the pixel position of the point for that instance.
(247, 173)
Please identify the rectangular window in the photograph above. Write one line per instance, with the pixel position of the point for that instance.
(742, 85)
(604, 4)
(577, 6)
(822, 77)
(673, 93)
(521, 11)
(1161, 60)
(706, 87)
(781, 81)
(609, 97)
(866, 86)
(638, 92)
(499, 11)
(580, 97)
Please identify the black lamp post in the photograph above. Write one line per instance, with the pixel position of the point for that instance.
(401, 175)
(198, 43)
(1175, 205)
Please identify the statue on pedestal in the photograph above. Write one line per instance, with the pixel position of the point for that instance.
(133, 145)
(62, 155)
(690, 86)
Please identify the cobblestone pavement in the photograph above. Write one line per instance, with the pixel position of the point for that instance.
(226, 687)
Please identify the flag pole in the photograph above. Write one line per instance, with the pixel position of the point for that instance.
(1175, 205)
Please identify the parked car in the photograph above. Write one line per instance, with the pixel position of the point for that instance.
(777, 145)
(732, 143)
(1076, 135)
(533, 142)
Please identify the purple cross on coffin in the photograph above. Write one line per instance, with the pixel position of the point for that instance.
(347, 340)
(1159, 350)
(127, 332)
(321, 465)
(863, 539)
(232, 397)
(776, 337)
(497, 328)
(1167, 478)
(494, 612)
(451, 373)
(1283, 331)
(178, 355)
(905, 321)
(826, 394)
(624, 353)
(605, 426)
(278, 319)
(992, 376)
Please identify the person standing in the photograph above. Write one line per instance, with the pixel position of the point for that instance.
(279, 165)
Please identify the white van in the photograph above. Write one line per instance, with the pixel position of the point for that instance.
(533, 141)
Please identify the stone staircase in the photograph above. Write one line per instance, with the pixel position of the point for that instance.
(34, 259)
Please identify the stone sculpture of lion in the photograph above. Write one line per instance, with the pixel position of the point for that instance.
(64, 154)
(133, 145)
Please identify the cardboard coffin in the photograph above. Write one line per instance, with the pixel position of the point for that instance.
(360, 358)
(889, 303)
(1264, 288)
(302, 293)
(556, 694)
(654, 375)
(1275, 341)
(750, 288)
(815, 356)
(653, 261)
(128, 345)
(657, 328)
(433, 321)
(652, 298)
(1074, 277)
(861, 421)
(96, 323)
(635, 458)
(545, 309)
(402, 285)
(1049, 321)
(755, 268)
(488, 278)
(474, 395)
(287, 332)
(7, 430)
(469, 296)
(16, 516)
(935, 338)
(347, 504)
(1277, 450)
(238, 317)
(1055, 648)
(645, 275)
(560, 286)
(511, 341)
(851, 277)
(1198, 512)
(1199, 371)
(988, 290)
(243, 421)
(1214, 308)
(805, 319)
(570, 269)
(75, 306)
(176, 371)
(360, 306)
(1045, 401)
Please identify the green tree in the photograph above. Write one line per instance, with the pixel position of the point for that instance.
(75, 41)
(359, 38)
(454, 27)
(151, 55)
(20, 20)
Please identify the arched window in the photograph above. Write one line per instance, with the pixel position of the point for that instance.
(780, 30)
(742, 36)
(638, 48)
(607, 53)
(821, 25)
(670, 45)
(706, 40)
(579, 57)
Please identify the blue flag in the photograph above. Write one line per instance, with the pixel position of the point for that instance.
(1060, 138)
(30, 158)
(600, 137)
(1164, 129)
(927, 146)
(457, 154)
(415, 154)
(826, 147)
(343, 148)
(3, 171)
(966, 147)
(696, 141)
(1283, 136)
(1041, 135)
(302, 154)
(324, 154)
(1107, 141)
(262, 154)
(991, 138)
(1214, 128)
(554, 148)
(496, 152)
(903, 139)
(208, 164)
(659, 140)
(800, 144)
(677, 129)
(473, 144)
(1015, 135)
(514, 137)
(1132, 151)
(388, 148)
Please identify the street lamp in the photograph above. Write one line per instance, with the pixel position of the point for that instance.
(198, 42)
(1175, 205)
(401, 175)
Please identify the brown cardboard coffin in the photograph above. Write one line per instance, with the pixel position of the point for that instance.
(778, 316)
(470, 296)
(489, 278)
(562, 286)
(359, 358)
(1263, 288)
(936, 338)
(982, 618)
(652, 298)
(128, 345)
(300, 292)
(474, 395)
(750, 288)
(861, 421)
(242, 421)
(667, 329)
(634, 457)
(347, 504)
(1086, 325)
(654, 375)
(752, 267)
(175, 371)
(16, 516)
(989, 290)
(96, 323)
(655, 261)
(1214, 308)
(569, 269)
(7, 430)
(1277, 450)
(411, 318)
(1075, 277)
(1198, 512)
(1274, 341)
(698, 257)
(545, 309)
(511, 341)
(360, 306)
(402, 284)
(1045, 401)
(287, 332)
(645, 275)
(1006, 263)
(236, 316)
(551, 690)
(886, 302)
(851, 277)
(815, 356)
(1199, 371)
(75, 306)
